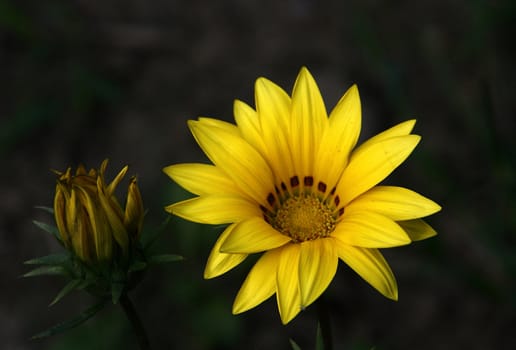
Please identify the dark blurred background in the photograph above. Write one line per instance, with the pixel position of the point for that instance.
(86, 80)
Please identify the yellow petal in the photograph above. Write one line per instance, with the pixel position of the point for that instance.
(260, 283)
(220, 263)
(401, 129)
(71, 212)
(397, 203)
(340, 137)
(219, 124)
(236, 158)
(253, 235)
(249, 125)
(86, 181)
(272, 104)
(372, 164)
(369, 230)
(287, 294)
(99, 230)
(247, 114)
(417, 229)
(81, 240)
(273, 108)
(309, 121)
(371, 266)
(60, 213)
(115, 219)
(201, 179)
(81, 170)
(318, 262)
(215, 209)
(134, 211)
(118, 178)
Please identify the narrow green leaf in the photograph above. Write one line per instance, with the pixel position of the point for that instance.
(70, 286)
(47, 209)
(48, 228)
(47, 270)
(67, 325)
(85, 283)
(51, 259)
(164, 258)
(294, 345)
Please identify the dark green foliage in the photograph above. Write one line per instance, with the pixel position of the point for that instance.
(67, 325)
(105, 281)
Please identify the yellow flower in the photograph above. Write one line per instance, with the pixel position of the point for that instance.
(290, 182)
(89, 218)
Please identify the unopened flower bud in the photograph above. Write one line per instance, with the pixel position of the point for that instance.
(90, 220)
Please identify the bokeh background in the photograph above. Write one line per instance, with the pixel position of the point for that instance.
(86, 80)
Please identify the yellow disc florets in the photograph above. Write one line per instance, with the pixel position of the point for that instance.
(304, 209)
(304, 218)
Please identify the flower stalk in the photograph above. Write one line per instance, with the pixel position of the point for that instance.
(136, 322)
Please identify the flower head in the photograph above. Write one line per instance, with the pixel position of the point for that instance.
(90, 220)
(293, 186)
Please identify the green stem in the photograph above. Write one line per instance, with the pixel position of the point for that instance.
(325, 323)
(136, 322)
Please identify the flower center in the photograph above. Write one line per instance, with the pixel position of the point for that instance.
(304, 218)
